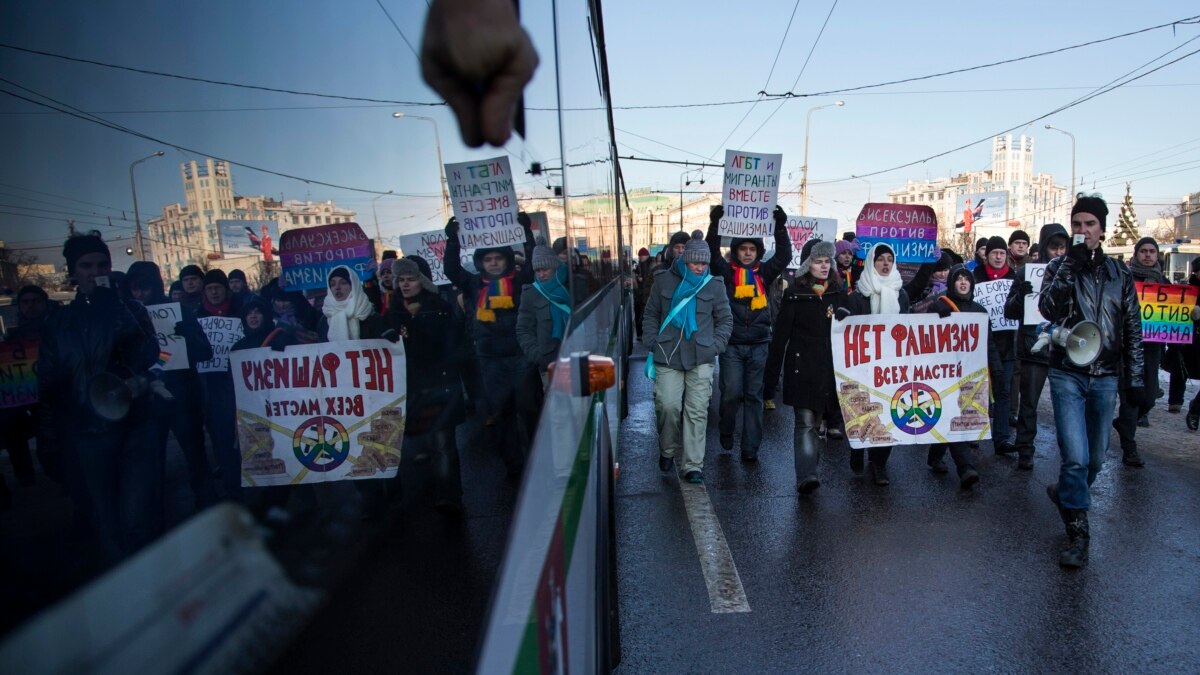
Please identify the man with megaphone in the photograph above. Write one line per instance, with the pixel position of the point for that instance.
(1087, 292)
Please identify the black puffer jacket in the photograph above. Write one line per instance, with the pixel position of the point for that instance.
(1006, 340)
(492, 338)
(96, 333)
(1014, 305)
(802, 345)
(750, 326)
(431, 344)
(1101, 291)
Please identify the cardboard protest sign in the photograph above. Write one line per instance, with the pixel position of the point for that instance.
(172, 348)
(223, 332)
(18, 373)
(910, 230)
(1035, 274)
(485, 203)
(912, 379)
(321, 412)
(539, 224)
(802, 229)
(432, 247)
(992, 295)
(749, 194)
(1166, 312)
(307, 254)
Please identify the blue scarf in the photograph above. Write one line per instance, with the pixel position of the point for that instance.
(686, 318)
(555, 291)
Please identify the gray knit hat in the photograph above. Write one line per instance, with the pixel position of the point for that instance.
(544, 257)
(820, 249)
(696, 249)
(408, 267)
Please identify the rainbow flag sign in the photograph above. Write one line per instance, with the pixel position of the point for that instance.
(18, 373)
(912, 379)
(1166, 312)
(909, 229)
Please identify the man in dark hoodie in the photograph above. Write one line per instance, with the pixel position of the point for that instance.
(743, 363)
(494, 294)
(191, 278)
(1145, 268)
(1052, 243)
(996, 267)
(178, 416)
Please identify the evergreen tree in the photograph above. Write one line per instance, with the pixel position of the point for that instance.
(1126, 231)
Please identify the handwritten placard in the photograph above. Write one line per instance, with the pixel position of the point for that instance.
(308, 254)
(431, 246)
(222, 332)
(18, 373)
(1166, 312)
(485, 203)
(909, 229)
(749, 194)
(992, 295)
(1035, 274)
(172, 348)
(801, 230)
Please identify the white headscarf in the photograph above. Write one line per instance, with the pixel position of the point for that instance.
(344, 315)
(884, 292)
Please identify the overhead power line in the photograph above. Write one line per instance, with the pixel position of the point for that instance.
(397, 27)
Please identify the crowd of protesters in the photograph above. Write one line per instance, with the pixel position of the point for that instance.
(484, 343)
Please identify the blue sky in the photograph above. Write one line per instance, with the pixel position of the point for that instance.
(666, 52)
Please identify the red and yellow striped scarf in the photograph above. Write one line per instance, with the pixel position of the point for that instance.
(493, 295)
(747, 284)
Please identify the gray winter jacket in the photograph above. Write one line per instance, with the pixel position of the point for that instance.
(714, 324)
(535, 327)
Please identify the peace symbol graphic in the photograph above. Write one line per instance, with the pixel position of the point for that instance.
(321, 444)
(916, 408)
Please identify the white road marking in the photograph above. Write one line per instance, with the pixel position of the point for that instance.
(725, 592)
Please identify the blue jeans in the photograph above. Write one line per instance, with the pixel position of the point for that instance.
(742, 369)
(1083, 413)
(1002, 406)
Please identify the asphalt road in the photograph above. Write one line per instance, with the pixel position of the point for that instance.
(915, 577)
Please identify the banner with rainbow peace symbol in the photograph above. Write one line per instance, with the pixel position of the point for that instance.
(321, 412)
(912, 379)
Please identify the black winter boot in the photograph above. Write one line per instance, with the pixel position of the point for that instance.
(1076, 554)
(806, 451)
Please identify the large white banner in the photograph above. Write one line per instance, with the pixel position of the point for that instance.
(992, 295)
(223, 332)
(323, 412)
(485, 203)
(912, 379)
(802, 229)
(1035, 274)
(432, 247)
(749, 194)
(172, 348)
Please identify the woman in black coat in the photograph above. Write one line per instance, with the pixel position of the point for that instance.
(801, 340)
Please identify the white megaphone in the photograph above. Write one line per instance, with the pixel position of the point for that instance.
(1081, 342)
(111, 396)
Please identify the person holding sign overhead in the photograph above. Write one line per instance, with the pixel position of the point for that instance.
(492, 292)
(880, 291)
(996, 267)
(1087, 285)
(686, 324)
(1034, 366)
(743, 362)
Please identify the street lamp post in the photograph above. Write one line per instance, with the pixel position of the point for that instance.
(137, 219)
(1071, 193)
(441, 168)
(375, 215)
(804, 169)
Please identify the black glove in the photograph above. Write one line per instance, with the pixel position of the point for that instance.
(943, 310)
(842, 313)
(1025, 288)
(180, 328)
(1135, 394)
(715, 215)
(278, 346)
(391, 335)
(1080, 255)
(780, 216)
(452, 228)
(524, 220)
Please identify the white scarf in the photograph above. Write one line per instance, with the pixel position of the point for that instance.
(884, 292)
(344, 315)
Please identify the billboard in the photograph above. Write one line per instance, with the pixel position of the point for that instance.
(982, 208)
(258, 238)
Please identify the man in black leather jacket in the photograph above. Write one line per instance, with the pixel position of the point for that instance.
(1087, 285)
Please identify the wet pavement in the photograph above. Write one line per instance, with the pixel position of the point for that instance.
(915, 577)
